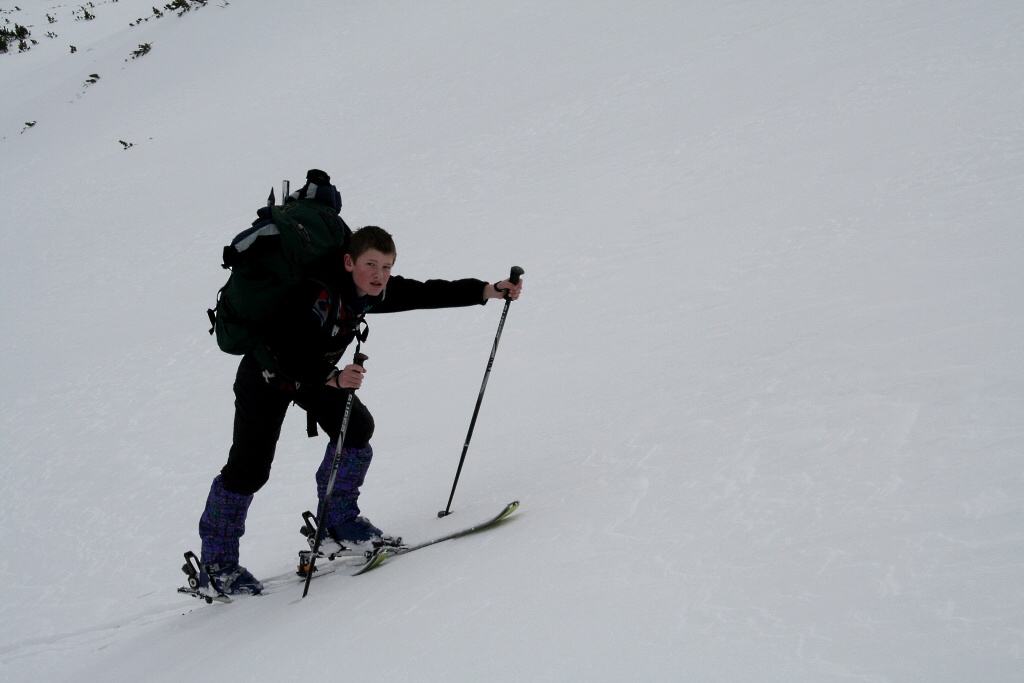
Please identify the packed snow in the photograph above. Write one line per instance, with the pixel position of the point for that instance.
(762, 398)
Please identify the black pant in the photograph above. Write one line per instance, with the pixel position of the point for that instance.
(259, 412)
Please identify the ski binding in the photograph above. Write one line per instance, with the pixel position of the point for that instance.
(191, 569)
(332, 550)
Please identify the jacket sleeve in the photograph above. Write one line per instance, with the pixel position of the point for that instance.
(405, 294)
(294, 334)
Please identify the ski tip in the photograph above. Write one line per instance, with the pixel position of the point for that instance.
(374, 561)
(505, 514)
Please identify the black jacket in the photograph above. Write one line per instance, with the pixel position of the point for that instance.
(319, 318)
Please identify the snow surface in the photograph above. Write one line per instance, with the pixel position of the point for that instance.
(762, 399)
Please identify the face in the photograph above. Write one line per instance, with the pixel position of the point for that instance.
(370, 272)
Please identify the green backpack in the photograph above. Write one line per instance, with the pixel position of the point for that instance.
(271, 256)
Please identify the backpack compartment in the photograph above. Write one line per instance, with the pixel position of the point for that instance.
(265, 261)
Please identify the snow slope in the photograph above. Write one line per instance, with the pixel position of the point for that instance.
(762, 398)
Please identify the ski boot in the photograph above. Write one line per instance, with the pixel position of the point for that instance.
(356, 538)
(217, 582)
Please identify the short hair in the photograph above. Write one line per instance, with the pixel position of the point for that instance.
(371, 237)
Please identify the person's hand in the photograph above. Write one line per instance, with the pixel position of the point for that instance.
(504, 290)
(350, 377)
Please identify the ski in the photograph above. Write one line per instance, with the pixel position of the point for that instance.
(379, 556)
(210, 599)
(368, 559)
(271, 585)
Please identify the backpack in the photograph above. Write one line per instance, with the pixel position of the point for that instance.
(267, 259)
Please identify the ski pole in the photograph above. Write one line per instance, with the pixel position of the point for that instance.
(514, 279)
(359, 359)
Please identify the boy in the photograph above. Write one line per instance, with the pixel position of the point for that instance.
(296, 362)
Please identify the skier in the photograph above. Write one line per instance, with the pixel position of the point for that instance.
(306, 338)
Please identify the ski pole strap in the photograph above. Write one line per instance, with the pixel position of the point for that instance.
(361, 332)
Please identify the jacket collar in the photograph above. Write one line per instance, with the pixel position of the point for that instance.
(355, 303)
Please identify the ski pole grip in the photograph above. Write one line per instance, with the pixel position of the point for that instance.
(516, 273)
(359, 359)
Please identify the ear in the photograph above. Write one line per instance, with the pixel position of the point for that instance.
(350, 265)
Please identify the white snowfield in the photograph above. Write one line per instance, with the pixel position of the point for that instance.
(762, 399)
